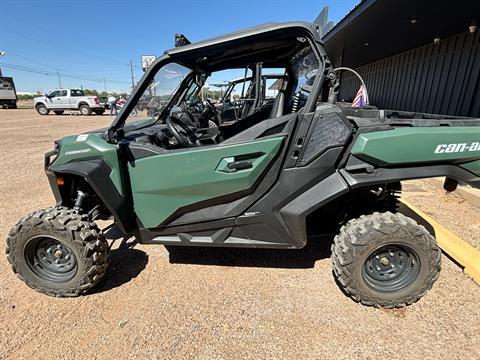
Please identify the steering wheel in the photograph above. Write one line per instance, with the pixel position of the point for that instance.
(210, 105)
(185, 136)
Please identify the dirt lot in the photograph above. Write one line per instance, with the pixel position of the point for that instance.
(215, 304)
(448, 208)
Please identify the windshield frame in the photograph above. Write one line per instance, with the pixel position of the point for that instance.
(142, 85)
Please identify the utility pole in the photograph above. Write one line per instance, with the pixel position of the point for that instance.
(133, 77)
(59, 81)
(105, 85)
(2, 53)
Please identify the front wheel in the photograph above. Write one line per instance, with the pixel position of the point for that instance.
(85, 110)
(42, 109)
(57, 252)
(385, 260)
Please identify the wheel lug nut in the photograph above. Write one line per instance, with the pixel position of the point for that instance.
(384, 261)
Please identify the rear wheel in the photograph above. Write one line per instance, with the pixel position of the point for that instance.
(57, 252)
(85, 109)
(42, 109)
(59, 112)
(385, 260)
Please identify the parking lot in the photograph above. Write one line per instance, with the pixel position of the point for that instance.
(218, 303)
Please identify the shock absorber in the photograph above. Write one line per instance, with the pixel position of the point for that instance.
(79, 201)
(296, 101)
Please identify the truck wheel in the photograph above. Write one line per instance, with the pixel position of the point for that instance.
(57, 252)
(85, 110)
(99, 112)
(385, 260)
(42, 109)
(59, 112)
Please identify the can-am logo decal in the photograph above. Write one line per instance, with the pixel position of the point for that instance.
(77, 151)
(457, 148)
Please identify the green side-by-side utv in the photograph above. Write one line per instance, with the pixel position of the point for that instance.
(173, 171)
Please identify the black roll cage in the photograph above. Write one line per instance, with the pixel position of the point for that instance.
(305, 31)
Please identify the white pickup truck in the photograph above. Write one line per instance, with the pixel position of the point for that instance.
(60, 100)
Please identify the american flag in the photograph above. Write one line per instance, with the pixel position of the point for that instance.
(361, 99)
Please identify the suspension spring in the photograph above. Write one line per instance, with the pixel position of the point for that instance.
(296, 101)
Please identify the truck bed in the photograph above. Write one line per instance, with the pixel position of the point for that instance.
(375, 117)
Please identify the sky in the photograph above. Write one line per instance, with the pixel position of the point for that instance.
(90, 43)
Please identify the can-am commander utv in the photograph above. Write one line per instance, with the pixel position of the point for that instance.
(172, 172)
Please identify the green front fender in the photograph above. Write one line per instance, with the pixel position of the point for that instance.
(91, 146)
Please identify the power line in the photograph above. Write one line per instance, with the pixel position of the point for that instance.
(57, 74)
(66, 73)
(90, 56)
(16, 54)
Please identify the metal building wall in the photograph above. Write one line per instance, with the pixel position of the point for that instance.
(440, 79)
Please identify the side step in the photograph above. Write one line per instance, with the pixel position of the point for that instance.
(220, 238)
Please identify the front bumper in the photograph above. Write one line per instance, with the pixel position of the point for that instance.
(51, 176)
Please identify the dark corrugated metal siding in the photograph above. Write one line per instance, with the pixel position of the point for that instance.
(441, 79)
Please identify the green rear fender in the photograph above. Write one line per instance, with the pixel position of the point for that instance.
(421, 145)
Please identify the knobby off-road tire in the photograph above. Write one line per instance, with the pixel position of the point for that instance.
(365, 250)
(57, 251)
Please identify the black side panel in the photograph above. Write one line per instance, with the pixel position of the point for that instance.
(97, 174)
(328, 130)
(295, 212)
(277, 215)
(382, 176)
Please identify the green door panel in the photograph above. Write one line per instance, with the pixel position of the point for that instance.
(162, 184)
(88, 146)
(411, 145)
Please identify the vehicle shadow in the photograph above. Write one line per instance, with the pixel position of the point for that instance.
(316, 249)
(125, 262)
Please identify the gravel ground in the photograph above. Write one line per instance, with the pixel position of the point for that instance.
(451, 210)
(211, 304)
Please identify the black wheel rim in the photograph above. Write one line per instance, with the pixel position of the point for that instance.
(391, 267)
(50, 259)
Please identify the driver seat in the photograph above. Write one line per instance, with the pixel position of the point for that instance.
(278, 105)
